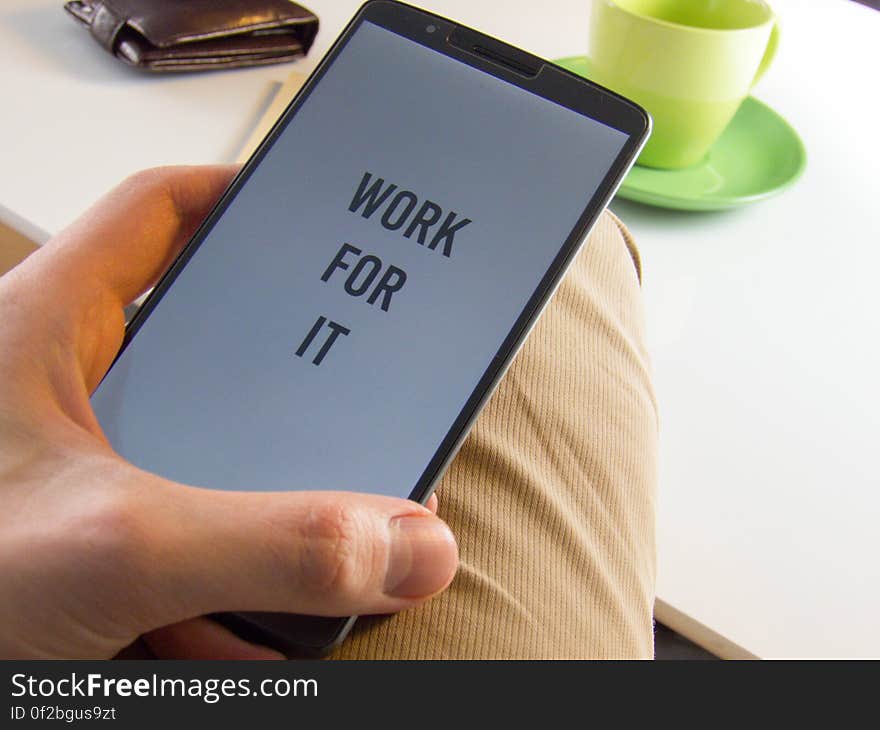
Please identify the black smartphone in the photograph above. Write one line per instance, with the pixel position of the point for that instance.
(359, 290)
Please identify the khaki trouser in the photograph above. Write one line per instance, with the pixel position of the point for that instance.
(552, 495)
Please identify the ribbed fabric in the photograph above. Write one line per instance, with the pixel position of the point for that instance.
(552, 495)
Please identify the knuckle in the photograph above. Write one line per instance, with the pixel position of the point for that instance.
(341, 555)
(149, 177)
(146, 179)
(154, 182)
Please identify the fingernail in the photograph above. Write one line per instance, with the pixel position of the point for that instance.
(423, 557)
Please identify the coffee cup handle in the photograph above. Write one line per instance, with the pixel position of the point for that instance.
(769, 53)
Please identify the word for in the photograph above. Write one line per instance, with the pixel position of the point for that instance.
(364, 273)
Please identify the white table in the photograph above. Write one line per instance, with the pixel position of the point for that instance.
(765, 343)
(762, 320)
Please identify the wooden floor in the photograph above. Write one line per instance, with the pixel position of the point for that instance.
(13, 248)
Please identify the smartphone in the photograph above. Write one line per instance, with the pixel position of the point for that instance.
(356, 294)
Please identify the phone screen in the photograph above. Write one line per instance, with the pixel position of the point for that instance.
(339, 314)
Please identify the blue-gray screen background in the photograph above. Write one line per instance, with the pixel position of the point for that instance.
(211, 392)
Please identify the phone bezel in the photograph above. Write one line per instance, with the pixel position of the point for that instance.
(317, 635)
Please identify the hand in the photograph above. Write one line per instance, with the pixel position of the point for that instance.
(95, 552)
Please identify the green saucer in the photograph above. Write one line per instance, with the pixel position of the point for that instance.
(757, 156)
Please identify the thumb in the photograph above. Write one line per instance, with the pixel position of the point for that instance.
(319, 553)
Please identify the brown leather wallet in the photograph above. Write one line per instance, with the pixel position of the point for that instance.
(194, 35)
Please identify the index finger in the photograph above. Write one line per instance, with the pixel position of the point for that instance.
(124, 242)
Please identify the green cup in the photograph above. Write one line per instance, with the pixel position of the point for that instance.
(690, 63)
